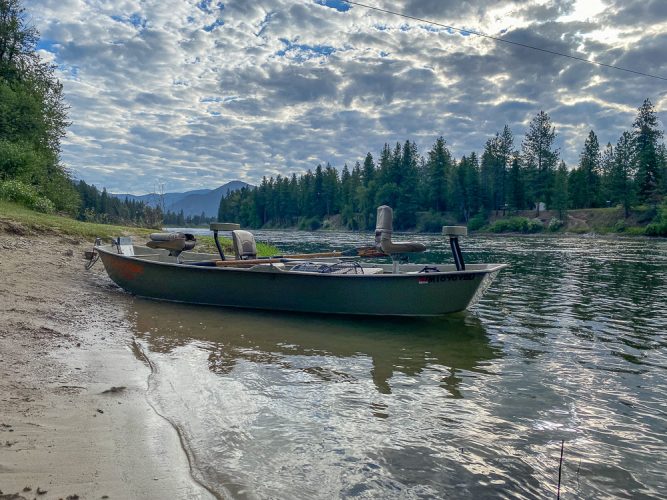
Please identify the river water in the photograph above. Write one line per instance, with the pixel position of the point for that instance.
(569, 344)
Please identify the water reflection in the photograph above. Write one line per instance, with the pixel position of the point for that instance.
(568, 343)
(408, 346)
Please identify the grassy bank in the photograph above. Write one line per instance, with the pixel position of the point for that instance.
(19, 220)
(592, 220)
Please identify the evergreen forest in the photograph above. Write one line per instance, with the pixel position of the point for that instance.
(425, 190)
(429, 190)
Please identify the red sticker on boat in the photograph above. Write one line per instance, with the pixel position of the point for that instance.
(423, 280)
(128, 270)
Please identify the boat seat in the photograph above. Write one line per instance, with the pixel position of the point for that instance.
(244, 244)
(383, 231)
(174, 242)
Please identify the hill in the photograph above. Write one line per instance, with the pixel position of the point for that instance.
(191, 202)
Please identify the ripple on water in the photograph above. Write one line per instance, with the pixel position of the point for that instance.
(568, 344)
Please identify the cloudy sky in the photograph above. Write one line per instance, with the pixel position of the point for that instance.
(193, 94)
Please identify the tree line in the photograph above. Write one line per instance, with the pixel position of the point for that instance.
(424, 190)
(179, 219)
(437, 186)
(100, 206)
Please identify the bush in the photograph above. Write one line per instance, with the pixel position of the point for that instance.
(430, 222)
(311, 224)
(26, 195)
(659, 225)
(516, 225)
(656, 229)
(44, 205)
(555, 224)
(620, 226)
(477, 222)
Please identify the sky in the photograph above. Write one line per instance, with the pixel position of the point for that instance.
(176, 95)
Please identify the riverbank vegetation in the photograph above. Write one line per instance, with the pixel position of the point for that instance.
(20, 220)
(426, 191)
(33, 121)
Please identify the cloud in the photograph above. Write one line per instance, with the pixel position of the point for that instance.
(196, 93)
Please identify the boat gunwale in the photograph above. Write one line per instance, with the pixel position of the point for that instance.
(493, 267)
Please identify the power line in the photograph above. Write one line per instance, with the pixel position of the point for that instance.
(503, 40)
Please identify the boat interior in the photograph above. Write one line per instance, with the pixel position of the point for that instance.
(317, 265)
(178, 249)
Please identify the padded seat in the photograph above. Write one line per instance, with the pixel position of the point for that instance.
(174, 242)
(383, 231)
(244, 244)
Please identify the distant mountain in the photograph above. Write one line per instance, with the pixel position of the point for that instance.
(153, 199)
(191, 202)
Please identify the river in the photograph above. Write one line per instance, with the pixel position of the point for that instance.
(568, 345)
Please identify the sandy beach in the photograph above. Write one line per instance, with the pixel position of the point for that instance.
(75, 421)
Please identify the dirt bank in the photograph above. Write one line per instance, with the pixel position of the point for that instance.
(74, 418)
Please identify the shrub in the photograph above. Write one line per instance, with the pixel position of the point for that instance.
(516, 225)
(430, 222)
(25, 194)
(620, 226)
(655, 229)
(311, 224)
(477, 222)
(555, 224)
(44, 205)
(659, 225)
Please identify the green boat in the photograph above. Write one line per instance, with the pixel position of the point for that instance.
(332, 283)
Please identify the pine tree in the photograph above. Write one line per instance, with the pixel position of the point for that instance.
(516, 198)
(589, 164)
(623, 169)
(539, 159)
(367, 193)
(406, 209)
(438, 168)
(560, 197)
(496, 161)
(646, 135)
(607, 165)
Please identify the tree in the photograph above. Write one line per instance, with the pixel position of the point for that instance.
(646, 135)
(407, 187)
(515, 186)
(560, 196)
(438, 168)
(367, 191)
(539, 159)
(607, 165)
(496, 161)
(623, 169)
(589, 163)
(466, 187)
(33, 113)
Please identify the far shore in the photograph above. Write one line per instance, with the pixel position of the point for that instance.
(605, 222)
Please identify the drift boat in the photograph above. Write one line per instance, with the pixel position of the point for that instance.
(330, 283)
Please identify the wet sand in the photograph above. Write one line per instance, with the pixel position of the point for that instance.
(74, 417)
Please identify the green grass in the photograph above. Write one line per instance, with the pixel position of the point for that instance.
(21, 220)
(207, 244)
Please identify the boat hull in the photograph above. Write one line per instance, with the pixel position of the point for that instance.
(268, 287)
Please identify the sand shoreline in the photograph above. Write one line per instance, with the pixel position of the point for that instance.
(75, 420)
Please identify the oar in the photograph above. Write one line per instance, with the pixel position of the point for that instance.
(367, 252)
